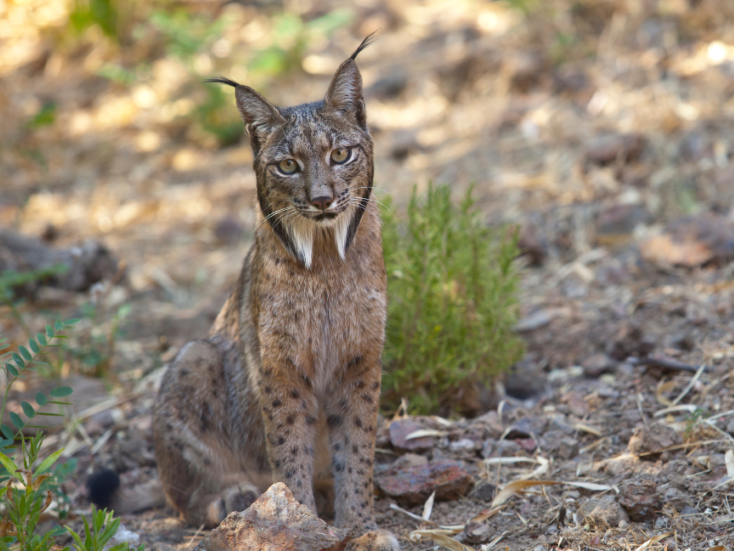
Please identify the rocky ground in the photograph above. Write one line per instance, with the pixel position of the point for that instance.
(604, 129)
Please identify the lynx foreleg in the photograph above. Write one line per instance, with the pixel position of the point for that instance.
(290, 412)
(352, 421)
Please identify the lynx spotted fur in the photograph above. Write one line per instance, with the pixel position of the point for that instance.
(290, 372)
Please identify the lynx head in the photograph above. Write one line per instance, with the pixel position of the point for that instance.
(313, 161)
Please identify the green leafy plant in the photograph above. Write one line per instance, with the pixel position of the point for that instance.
(30, 488)
(11, 281)
(16, 365)
(25, 501)
(452, 287)
(103, 528)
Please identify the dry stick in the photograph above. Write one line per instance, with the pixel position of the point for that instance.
(664, 363)
(690, 384)
(196, 535)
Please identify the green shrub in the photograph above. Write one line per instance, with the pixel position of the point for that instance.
(27, 488)
(452, 291)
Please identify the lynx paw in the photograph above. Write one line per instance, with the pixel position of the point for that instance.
(235, 498)
(377, 540)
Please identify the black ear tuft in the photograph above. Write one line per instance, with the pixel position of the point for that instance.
(101, 487)
(366, 42)
(223, 80)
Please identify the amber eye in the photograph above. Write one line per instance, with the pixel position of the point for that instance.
(289, 166)
(340, 155)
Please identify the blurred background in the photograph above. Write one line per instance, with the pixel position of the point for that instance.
(594, 124)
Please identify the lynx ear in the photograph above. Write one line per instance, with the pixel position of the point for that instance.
(345, 91)
(260, 116)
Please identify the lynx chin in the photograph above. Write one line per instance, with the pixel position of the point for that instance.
(286, 386)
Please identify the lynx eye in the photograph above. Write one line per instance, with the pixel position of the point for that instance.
(289, 166)
(340, 155)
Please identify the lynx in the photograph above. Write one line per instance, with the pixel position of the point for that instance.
(290, 372)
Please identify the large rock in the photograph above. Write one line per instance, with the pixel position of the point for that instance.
(275, 522)
(413, 485)
(651, 439)
(641, 500)
(400, 429)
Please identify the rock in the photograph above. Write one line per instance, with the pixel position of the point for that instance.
(275, 522)
(83, 265)
(485, 491)
(400, 429)
(609, 148)
(565, 448)
(675, 498)
(229, 230)
(412, 486)
(506, 448)
(641, 500)
(653, 438)
(409, 460)
(596, 365)
(388, 87)
(618, 223)
(691, 241)
(492, 424)
(475, 533)
(463, 445)
(527, 427)
(604, 513)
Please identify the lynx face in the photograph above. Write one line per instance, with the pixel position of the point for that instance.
(313, 162)
(313, 173)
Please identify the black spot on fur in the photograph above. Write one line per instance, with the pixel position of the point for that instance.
(277, 403)
(310, 420)
(354, 361)
(281, 441)
(295, 393)
(367, 398)
(307, 381)
(358, 422)
(333, 421)
(290, 419)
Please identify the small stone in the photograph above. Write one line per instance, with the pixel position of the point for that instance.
(487, 448)
(492, 424)
(412, 486)
(464, 444)
(527, 427)
(485, 491)
(275, 522)
(641, 500)
(604, 512)
(596, 365)
(566, 448)
(653, 438)
(609, 148)
(409, 460)
(507, 448)
(475, 533)
(688, 511)
(228, 230)
(400, 429)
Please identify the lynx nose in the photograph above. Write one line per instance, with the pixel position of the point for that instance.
(321, 202)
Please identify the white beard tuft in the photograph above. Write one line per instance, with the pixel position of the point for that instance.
(302, 233)
(340, 234)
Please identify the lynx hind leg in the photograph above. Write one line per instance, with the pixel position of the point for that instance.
(378, 540)
(201, 474)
